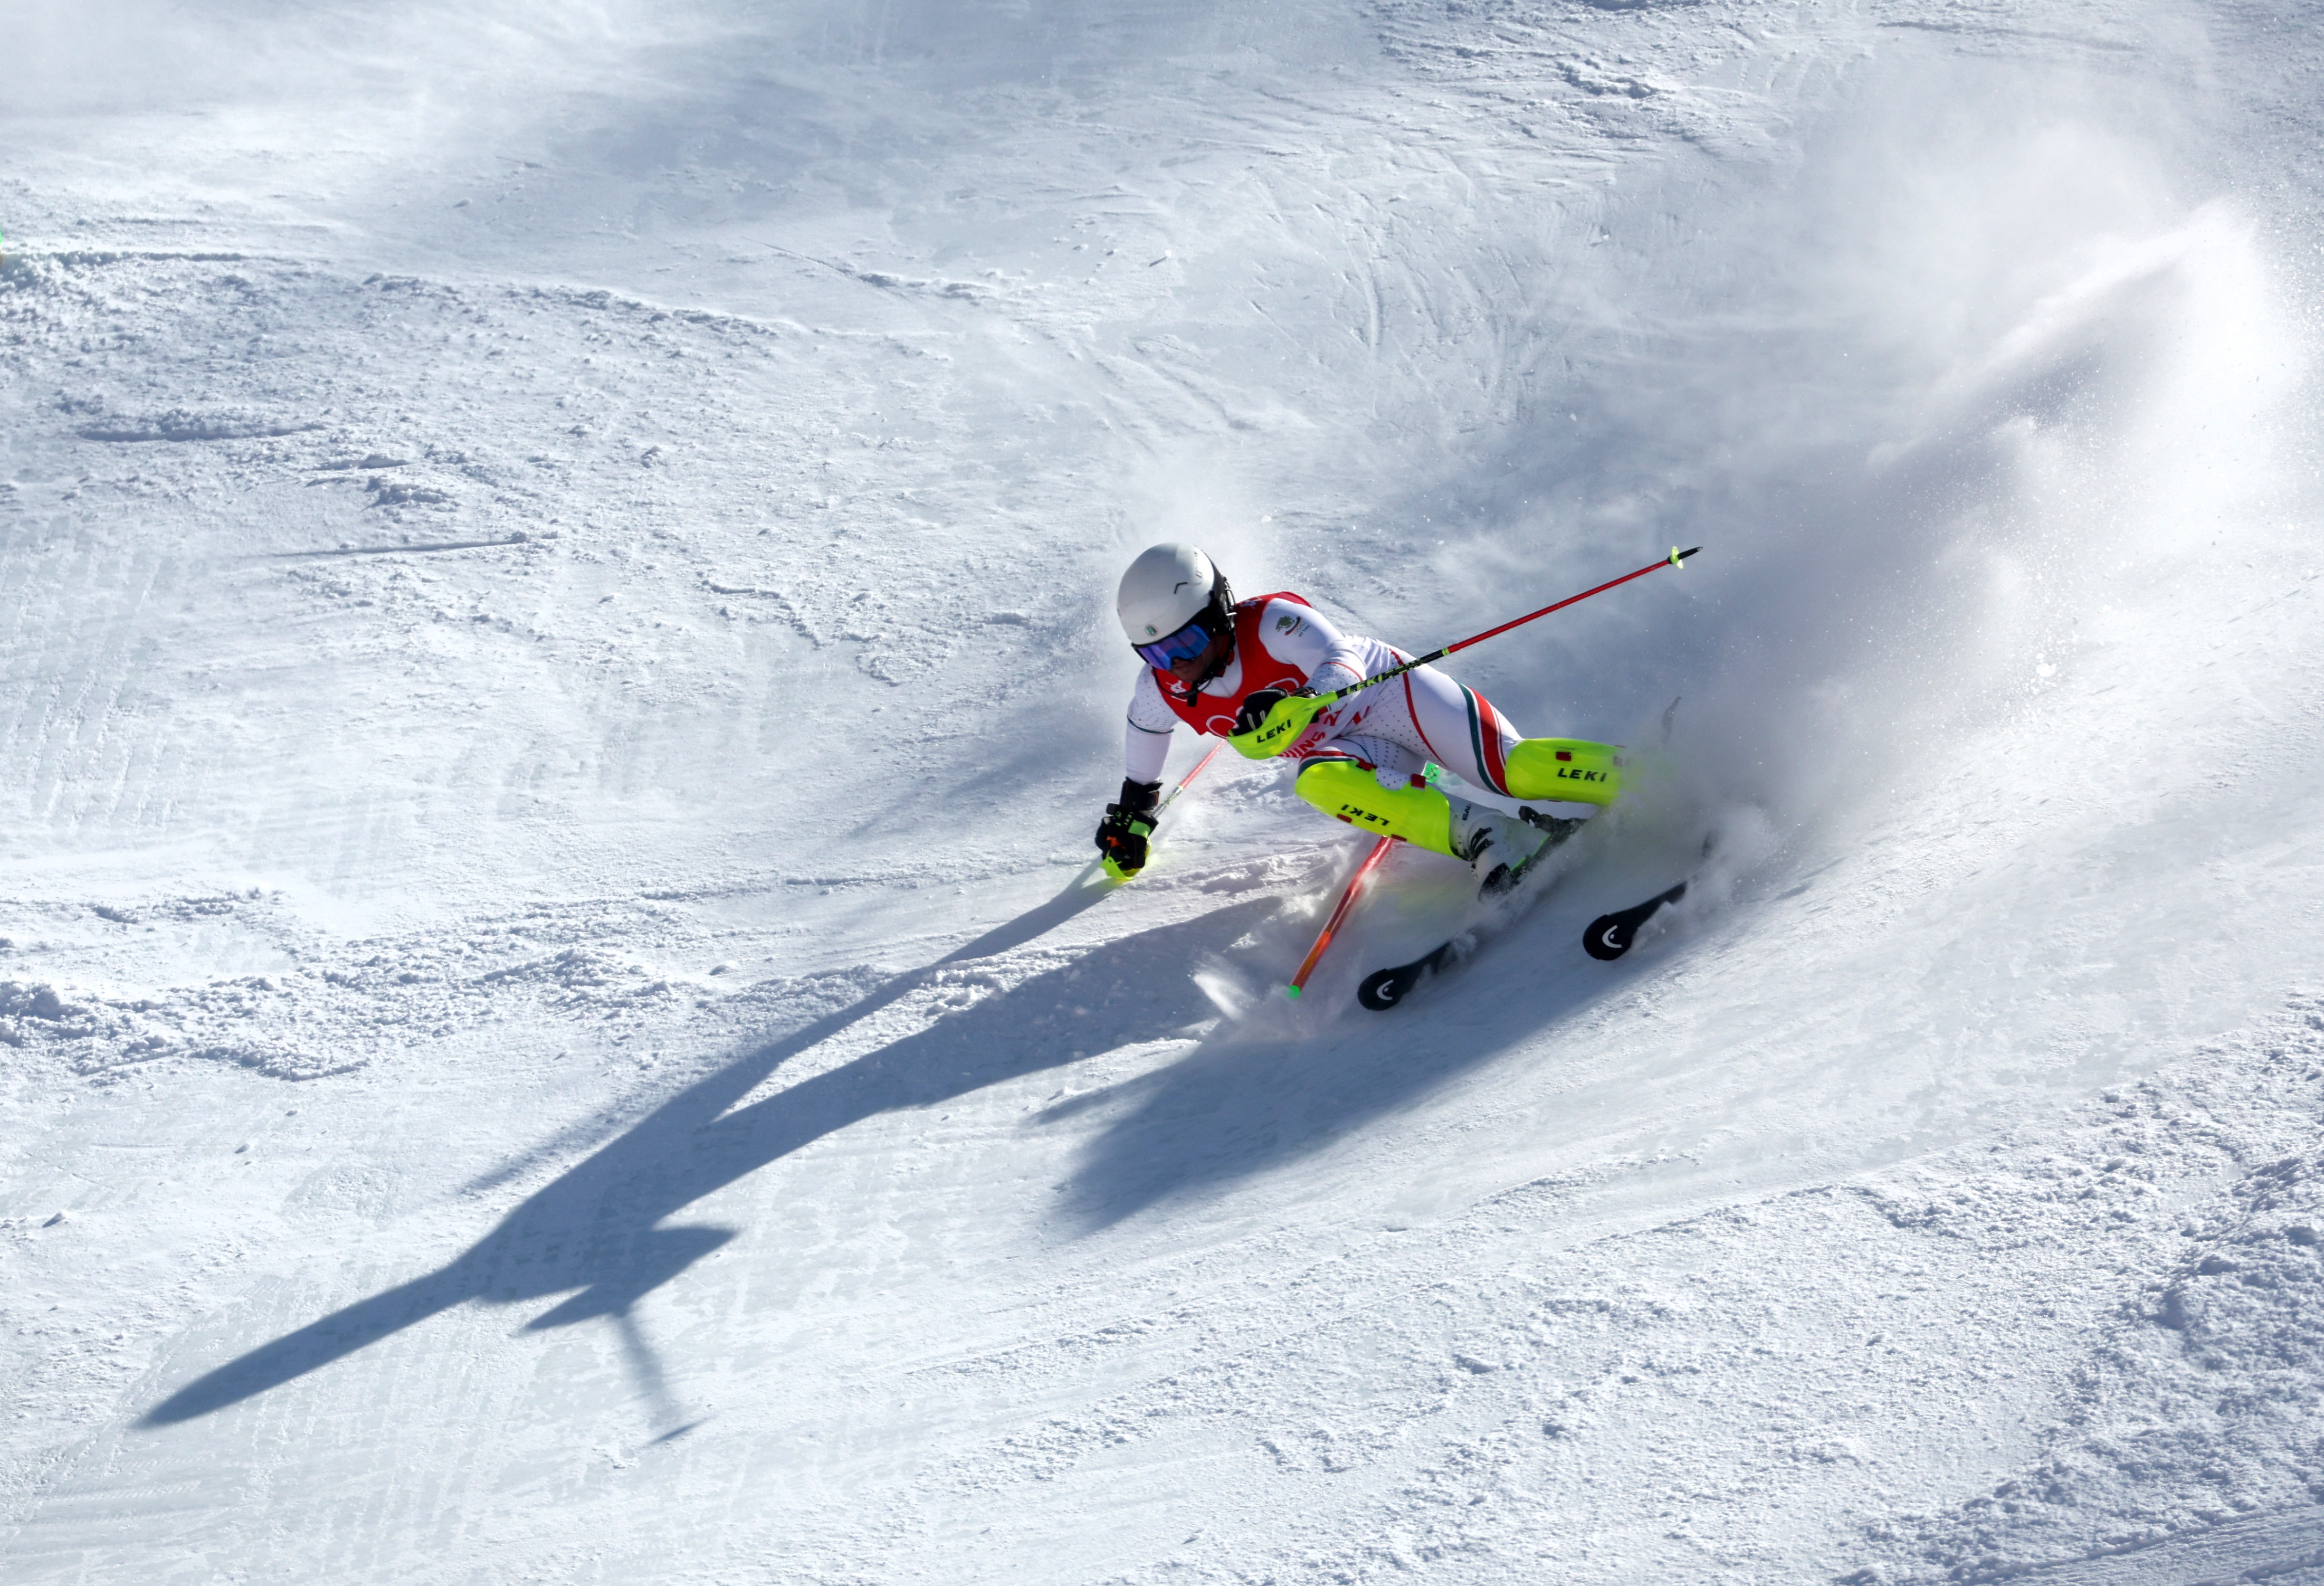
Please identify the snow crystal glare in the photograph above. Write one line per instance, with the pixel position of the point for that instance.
(556, 571)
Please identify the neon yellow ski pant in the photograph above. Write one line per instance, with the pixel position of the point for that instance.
(1345, 790)
(1561, 769)
(1573, 770)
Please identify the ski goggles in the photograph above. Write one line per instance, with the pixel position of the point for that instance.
(1186, 643)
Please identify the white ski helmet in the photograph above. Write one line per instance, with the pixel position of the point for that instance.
(1168, 587)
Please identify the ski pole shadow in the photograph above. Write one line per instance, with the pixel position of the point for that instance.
(598, 1233)
(1091, 886)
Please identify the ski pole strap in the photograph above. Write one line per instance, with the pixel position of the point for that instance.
(1677, 558)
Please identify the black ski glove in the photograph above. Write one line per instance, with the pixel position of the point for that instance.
(1121, 834)
(1254, 710)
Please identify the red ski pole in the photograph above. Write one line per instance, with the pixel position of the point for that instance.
(1189, 777)
(1331, 927)
(1677, 557)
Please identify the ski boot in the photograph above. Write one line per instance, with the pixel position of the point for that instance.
(1499, 847)
(1558, 827)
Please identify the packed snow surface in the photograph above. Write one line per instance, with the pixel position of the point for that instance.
(556, 570)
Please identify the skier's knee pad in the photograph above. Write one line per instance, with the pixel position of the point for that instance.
(1571, 769)
(1345, 790)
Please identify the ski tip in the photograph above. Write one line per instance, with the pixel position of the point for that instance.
(1607, 937)
(1384, 989)
(1610, 935)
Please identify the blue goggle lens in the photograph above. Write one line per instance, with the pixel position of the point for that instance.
(1187, 642)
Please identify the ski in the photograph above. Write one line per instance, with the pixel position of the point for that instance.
(1383, 988)
(1610, 935)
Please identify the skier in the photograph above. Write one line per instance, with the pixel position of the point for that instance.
(1251, 672)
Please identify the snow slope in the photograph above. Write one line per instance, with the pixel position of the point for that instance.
(559, 667)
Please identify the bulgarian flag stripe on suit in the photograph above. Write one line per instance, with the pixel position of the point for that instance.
(1485, 738)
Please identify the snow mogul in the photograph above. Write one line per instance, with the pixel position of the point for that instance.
(1271, 676)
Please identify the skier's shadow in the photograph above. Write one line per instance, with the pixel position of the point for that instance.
(1251, 1103)
(599, 1229)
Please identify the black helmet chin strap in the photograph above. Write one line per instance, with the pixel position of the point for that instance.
(1219, 617)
